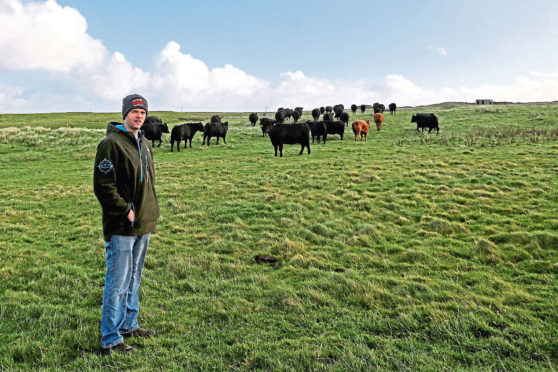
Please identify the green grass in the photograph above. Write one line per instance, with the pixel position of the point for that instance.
(407, 252)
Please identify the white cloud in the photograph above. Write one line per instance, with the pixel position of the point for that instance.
(532, 88)
(46, 36)
(182, 81)
(115, 79)
(439, 50)
(523, 89)
(544, 74)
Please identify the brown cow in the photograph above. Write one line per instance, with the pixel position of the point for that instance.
(379, 119)
(361, 127)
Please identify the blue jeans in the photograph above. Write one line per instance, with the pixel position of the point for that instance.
(125, 256)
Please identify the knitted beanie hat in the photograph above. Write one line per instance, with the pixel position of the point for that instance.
(131, 102)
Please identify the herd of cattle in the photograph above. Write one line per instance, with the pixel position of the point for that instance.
(280, 133)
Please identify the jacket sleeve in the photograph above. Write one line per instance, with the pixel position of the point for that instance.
(104, 181)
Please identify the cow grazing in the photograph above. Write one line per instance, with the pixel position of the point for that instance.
(378, 119)
(264, 123)
(392, 108)
(184, 132)
(316, 114)
(354, 108)
(335, 127)
(345, 118)
(361, 128)
(153, 129)
(253, 117)
(289, 134)
(317, 130)
(215, 130)
(362, 108)
(424, 121)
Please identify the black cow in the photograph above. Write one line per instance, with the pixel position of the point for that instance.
(296, 115)
(264, 123)
(317, 129)
(216, 118)
(322, 110)
(289, 134)
(354, 108)
(253, 117)
(345, 118)
(215, 130)
(338, 109)
(382, 107)
(423, 121)
(152, 120)
(335, 127)
(316, 114)
(328, 116)
(362, 108)
(184, 132)
(280, 116)
(288, 113)
(153, 129)
(392, 108)
(329, 109)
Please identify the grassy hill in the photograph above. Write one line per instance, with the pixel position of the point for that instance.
(408, 251)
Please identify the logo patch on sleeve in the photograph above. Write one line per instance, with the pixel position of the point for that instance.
(105, 166)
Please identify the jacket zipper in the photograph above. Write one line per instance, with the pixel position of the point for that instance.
(146, 169)
(139, 150)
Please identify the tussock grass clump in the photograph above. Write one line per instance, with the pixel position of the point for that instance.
(486, 251)
(39, 136)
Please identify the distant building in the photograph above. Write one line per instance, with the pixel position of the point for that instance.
(485, 101)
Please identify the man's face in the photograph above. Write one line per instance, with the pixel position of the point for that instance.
(134, 119)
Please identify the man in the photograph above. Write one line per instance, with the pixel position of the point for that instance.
(123, 180)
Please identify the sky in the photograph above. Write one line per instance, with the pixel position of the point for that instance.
(257, 55)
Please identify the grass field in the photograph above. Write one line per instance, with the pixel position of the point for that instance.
(406, 252)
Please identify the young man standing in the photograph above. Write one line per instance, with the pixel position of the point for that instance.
(124, 183)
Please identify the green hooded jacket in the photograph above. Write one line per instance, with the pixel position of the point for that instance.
(124, 179)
